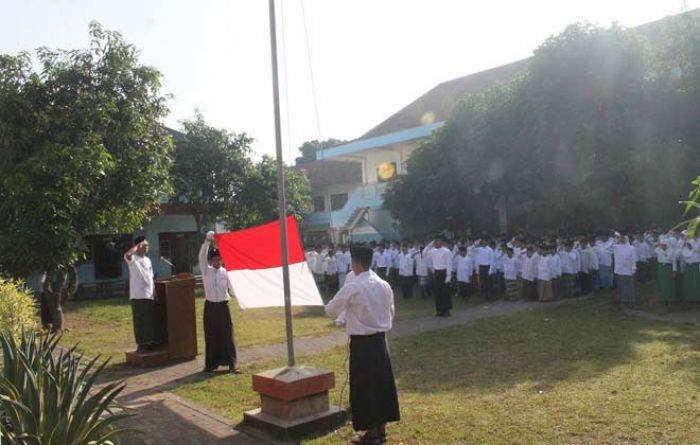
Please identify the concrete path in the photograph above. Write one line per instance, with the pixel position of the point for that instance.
(168, 419)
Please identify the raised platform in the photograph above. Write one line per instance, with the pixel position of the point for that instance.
(294, 403)
(149, 359)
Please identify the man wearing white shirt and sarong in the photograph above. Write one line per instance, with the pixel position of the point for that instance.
(625, 268)
(441, 261)
(220, 349)
(368, 304)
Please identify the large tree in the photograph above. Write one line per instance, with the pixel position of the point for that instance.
(308, 149)
(582, 141)
(83, 151)
(257, 203)
(211, 167)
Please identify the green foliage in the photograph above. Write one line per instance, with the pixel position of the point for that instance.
(308, 149)
(595, 134)
(257, 203)
(83, 149)
(210, 169)
(47, 396)
(17, 309)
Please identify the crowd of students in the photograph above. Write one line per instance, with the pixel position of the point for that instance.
(525, 268)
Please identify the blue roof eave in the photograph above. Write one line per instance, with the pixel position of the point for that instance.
(379, 141)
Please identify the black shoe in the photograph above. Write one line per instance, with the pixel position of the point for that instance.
(234, 370)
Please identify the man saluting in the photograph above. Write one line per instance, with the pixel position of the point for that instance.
(368, 304)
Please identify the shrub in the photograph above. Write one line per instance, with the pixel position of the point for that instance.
(48, 396)
(17, 308)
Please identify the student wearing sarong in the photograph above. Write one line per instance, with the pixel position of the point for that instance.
(441, 261)
(576, 257)
(555, 271)
(484, 261)
(368, 304)
(511, 266)
(567, 271)
(465, 269)
(605, 273)
(219, 347)
(529, 274)
(665, 272)
(381, 261)
(642, 251)
(593, 265)
(691, 275)
(625, 259)
(332, 280)
(586, 286)
(342, 258)
(422, 272)
(499, 284)
(406, 264)
(316, 259)
(147, 327)
(544, 279)
(393, 270)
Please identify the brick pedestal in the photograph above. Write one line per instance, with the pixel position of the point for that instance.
(294, 402)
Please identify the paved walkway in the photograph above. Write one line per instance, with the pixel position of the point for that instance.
(168, 419)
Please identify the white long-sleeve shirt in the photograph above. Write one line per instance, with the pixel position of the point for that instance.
(465, 268)
(421, 265)
(530, 267)
(141, 284)
(555, 269)
(511, 267)
(625, 259)
(484, 256)
(317, 262)
(666, 256)
(216, 282)
(567, 262)
(367, 302)
(406, 264)
(381, 259)
(604, 251)
(440, 259)
(543, 271)
(343, 260)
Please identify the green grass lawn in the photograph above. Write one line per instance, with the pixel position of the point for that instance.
(105, 327)
(582, 373)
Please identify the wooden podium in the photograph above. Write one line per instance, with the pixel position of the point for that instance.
(177, 323)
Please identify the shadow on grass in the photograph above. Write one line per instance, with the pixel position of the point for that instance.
(538, 348)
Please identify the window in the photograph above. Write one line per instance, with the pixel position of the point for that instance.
(319, 204)
(386, 171)
(338, 201)
(179, 248)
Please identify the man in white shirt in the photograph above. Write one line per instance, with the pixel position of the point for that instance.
(625, 268)
(406, 265)
(484, 259)
(604, 248)
(381, 261)
(465, 269)
(529, 274)
(343, 260)
(422, 271)
(219, 345)
(368, 304)
(148, 328)
(690, 252)
(666, 272)
(332, 270)
(511, 266)
(441, 260)
(317, 263)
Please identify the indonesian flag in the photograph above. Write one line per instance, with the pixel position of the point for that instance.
(253, 261)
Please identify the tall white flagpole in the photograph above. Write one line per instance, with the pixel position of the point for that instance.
(280, 189)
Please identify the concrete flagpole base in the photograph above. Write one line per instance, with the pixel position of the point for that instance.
(294, 403)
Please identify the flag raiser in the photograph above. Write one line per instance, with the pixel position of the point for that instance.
(253, 261)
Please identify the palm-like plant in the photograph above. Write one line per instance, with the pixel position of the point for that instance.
(48, 396)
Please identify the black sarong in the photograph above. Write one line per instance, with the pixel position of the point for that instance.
(373, 398)
(143, 312)
(218, 335)
(485, 282)
(443, 297)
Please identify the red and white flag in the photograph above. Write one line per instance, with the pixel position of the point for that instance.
(253, 261)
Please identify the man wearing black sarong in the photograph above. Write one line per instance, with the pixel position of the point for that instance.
(220, 349)
(143, 306)
(368, 304)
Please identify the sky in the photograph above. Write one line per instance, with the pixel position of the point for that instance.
(369, 58)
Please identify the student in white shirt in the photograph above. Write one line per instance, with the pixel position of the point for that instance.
(483, 263)
(510, 274)
(406, 265)
(332, 269)
(567, 271)
(441, 262)
(219, 346)
(465, 268)
(690, 289)
(148, 331)
(625, 268)
(342, 258)
(368, 304)
(666, 271)
(316, 260)
(593, 265)
(381, 261)
(422, 271)
(544, 278)
(643, 255)
(604, 249)
(529, 274)
(555, 271)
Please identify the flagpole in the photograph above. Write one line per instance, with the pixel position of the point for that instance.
(280, 189)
